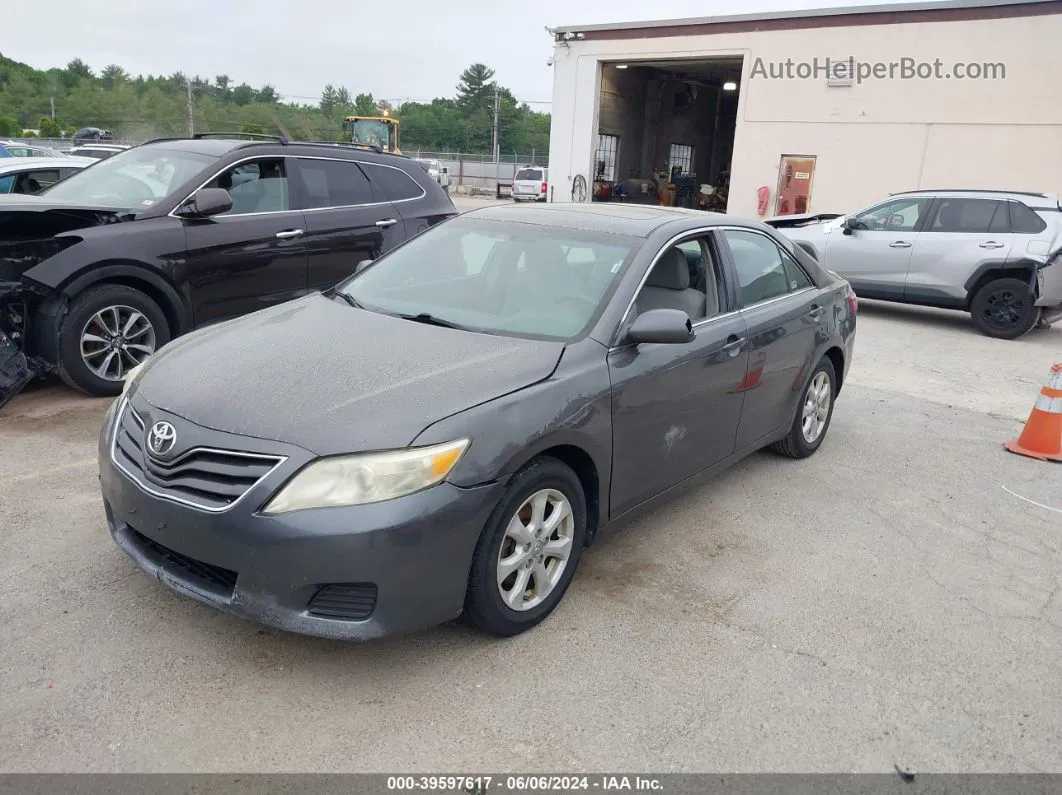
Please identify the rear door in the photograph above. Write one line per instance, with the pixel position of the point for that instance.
(875, 258)
(252, 256)
(348, 219)
(406, 197)
(786, 317)
(960, 236)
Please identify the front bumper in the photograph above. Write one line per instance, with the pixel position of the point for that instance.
(393, 567)
(1049, 290)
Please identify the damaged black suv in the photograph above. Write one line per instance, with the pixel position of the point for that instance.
(103, 268)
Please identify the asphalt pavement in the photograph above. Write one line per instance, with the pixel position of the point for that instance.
(895, 599)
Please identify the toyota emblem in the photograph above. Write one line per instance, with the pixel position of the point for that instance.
(161, 438)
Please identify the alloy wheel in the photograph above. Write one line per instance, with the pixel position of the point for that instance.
(1003, 309)
(816, 407)
(115, 340)
(535, 550)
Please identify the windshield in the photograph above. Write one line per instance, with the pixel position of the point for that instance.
(371, 132)
(133, 179)
(499, 278)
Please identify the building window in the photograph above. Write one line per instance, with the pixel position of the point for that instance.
(681, 159)
(605, 159)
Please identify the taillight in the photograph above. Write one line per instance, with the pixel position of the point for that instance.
(543, 187)
(853, 301)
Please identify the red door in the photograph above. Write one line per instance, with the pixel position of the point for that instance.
(795, 176)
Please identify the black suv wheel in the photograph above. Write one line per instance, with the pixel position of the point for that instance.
(1004, 309)
(109, 330)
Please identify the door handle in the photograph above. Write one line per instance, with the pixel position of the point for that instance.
(288, 233)
(900, 244)
(733, 344)
(991, 244)
(815, 312)
(387, 223)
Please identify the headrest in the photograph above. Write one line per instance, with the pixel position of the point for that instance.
(672, 272)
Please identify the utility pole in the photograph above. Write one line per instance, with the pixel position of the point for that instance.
(53, 107)
(495, 146)
(191, 117)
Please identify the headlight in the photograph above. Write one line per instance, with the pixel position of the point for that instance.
(367, 477)
(131, 377)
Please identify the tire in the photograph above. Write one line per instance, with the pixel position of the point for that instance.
(796, 444)
(485, 608)
(90, 309)
(1004, 309)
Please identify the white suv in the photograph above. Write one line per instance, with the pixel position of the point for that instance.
(994, 254)
(531, 183)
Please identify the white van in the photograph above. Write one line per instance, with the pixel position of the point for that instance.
(531, 183)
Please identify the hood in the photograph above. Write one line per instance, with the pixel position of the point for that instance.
(33, 228)
(320, 374)
(803, 220)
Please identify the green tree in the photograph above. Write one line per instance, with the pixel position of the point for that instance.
(113, 75)
(9, 127)
(267, 94)
(49, 127)
(365, 105)
(475, 89)
(243, 94)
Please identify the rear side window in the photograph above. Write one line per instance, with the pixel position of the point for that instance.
(1025, 221)
(334, 183)
(396, 184)
(532, 174)
(970, 216)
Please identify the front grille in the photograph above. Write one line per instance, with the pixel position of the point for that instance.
(210, 578)
(203, 477)
(344, 601)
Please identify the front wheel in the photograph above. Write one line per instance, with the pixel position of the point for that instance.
(813, 414)
(1005, 309)
(108, 330)
(529, 549)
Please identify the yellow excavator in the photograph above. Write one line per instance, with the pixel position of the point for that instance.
(377, 131)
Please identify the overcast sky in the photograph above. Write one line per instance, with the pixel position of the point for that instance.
(412, 50)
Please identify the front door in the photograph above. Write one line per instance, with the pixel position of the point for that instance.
(347, 219)
(960, 236)
(254, 255)
(796, 174)
(876, 256)
(675, 408)
(786, 320)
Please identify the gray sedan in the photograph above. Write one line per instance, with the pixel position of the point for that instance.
(446, 430)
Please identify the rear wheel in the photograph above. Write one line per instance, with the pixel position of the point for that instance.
(529, 549)
(108, 330)
(1004, 309)
(813, 414)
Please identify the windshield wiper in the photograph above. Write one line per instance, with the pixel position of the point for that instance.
(349, 299)
(431, 320)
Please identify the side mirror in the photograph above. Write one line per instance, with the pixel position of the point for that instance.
(661, 326)
(851, 223)
(207, 202)
(362, 265)
(445, 169)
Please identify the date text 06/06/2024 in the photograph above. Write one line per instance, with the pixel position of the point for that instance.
(481, 784)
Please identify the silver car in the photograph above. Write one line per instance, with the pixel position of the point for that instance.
(994, 254)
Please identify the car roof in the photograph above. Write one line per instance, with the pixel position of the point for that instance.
(974, 192)
(636, 220)
(27, 163)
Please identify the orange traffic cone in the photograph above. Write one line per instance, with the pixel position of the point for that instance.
(1042, 437)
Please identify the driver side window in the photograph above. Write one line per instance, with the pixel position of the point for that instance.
(686, 278)
(260, 186)
(898, 215)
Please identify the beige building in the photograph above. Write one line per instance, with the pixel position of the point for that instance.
(813, 111)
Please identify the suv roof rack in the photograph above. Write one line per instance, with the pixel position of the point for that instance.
(280, 139)
(1037, 194)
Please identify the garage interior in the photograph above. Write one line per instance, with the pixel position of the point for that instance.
(666, 132)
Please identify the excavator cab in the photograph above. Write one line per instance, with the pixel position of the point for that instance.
(377, 131)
